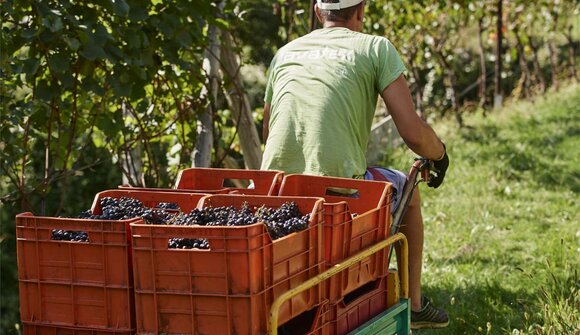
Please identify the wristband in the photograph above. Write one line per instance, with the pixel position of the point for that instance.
(444, 152)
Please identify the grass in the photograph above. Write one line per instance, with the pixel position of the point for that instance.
(502, 235)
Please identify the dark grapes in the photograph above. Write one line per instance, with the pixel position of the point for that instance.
(69, 235)
(279, 222)
(126, 208)
(116, 209)
(188, 243)
(284, 220)
(167, 205)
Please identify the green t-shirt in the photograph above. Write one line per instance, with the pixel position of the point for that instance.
(322, 89)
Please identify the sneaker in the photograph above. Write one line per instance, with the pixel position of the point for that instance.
(429, 316)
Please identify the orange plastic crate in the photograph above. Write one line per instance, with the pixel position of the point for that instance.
(78, 284)
(353, 310)
(229, 288)
(358, 307)
(344, 234)
(82, 284)
(38, 329)
(204, 179)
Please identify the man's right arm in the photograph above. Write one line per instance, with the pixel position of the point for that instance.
(416, 133)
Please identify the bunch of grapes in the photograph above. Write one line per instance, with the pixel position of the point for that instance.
(284, 220)
(279, 222)
(167, 205)
(126, 208)
(115, 209)
(217, 216)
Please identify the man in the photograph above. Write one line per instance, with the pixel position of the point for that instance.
(319, 105)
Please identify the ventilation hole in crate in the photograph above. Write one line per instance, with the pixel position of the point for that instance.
(238, 183)
(301, 324)
(359, 292)
(187, 243)
(342, 192)
(69, 235)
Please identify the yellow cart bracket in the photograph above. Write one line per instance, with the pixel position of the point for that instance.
(403, 274)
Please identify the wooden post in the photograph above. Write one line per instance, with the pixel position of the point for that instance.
(483, 70)
(313, 19)
(240, 106)
(204, 140)
(498, 97)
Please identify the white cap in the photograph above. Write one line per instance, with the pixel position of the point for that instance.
(341, 4)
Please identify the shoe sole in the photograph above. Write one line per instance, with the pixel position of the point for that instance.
(424, 325)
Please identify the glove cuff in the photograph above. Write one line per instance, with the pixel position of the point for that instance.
(444, 152)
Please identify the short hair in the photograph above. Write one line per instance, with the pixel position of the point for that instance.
(340, 15)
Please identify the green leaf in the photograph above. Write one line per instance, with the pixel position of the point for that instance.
(72, 43)
(138, 13)
(121, 84)
(115, 54)
(91, 85)
(59, 62)
(101, 35)
(67, 79)
(87, 68)
(221, 23)
(43, 91)
(92, 51)
(147, 58)
(31, 65)
(52, 23)
(29, 32)
(121, 8)
(138, 90)
(166, 25)
(184, 38)
(108, 124)
(133, 40)
(47, 36)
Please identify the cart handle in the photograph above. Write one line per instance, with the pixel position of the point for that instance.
(420, 166)
(403, 274)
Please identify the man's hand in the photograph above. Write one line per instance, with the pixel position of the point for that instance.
(439, 168)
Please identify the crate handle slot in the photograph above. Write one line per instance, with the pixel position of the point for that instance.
(184, 243)
(343, 192)
(238, 183)
(69, 235)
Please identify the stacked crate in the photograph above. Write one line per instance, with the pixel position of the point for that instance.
(260, 182)
(229, 288)
(79, 285)
(357, 216)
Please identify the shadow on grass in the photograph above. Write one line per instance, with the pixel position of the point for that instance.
(489, 309)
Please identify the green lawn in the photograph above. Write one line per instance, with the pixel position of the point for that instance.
(503, 232)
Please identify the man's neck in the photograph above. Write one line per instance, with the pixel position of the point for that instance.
(335, 24)
(341, 24)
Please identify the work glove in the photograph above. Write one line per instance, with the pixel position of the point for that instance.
(438, 169)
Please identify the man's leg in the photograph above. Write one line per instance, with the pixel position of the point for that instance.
(412, 227)
(424, 313)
